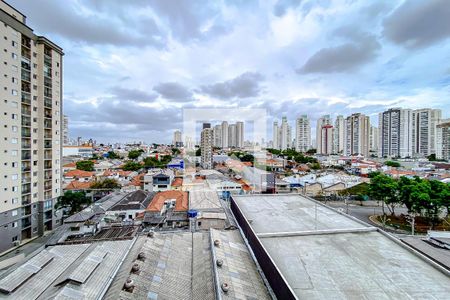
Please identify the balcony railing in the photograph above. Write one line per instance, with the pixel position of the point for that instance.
(26, 42)
(26, 76)
(26, 97)
(48, 102)
(47, 124)
(26, 179)
(26, 199)
(26, 167)
(26, 64)
(26, 121)
(26, 111)
(26, 52)
(26, 132)
(26, 144)
(47, 164)
(26, 154)
(26, 87)
(47, 144)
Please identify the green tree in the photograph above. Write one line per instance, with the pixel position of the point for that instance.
(85, 165)
(107, 183)
(391, 163)
(385, 188)
(131, 166)
(153, 162)
(133, 154)
(75, 201)
(113, 155)
(247, 157)
(175, 151)
(198, 152)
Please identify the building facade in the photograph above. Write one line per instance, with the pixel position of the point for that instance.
(31, 131)
(357, 131)
(302, 134)
(326, 144)
(395, 133)
(239, 134)
(443, 140)
(322, 121)
(224, 134)
(339, 130)
(424, 124)
(206, 145)
(177, 139)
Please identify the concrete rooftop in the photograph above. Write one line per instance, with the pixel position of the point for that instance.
(341, 258)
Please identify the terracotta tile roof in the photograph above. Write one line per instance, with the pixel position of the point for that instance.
(177, 182)
(78, 185)
(244, 185)
(70, 165)
(158, 201)
(78, 173)
(137, 180)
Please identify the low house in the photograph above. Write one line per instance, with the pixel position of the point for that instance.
(131, 206)
(79, 175)
(102, 165)
(210, 212)
(158, 180)
(167, 209)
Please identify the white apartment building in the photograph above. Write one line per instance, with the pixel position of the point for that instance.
(302, 134)
(395, 133)
(177, 139)
(326, 144)
(65, 130)
(217, 133)
(206, 144)
(424, 122)
(339, 130)
(285, 134)
(373, 139)
(232, 135)
(357, 131)
(240, 134)
(225, 134)
(275, 136)
(31, 130)
(443, 140)
(322, 121)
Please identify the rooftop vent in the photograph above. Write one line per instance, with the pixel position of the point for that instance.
(128, 285)
(135, 268)
(225, 287)
(219, 262)
(141, 256)
(217, 243)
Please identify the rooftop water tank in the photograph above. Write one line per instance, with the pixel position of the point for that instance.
(192, 213)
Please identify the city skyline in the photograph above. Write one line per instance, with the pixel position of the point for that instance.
(122, 95)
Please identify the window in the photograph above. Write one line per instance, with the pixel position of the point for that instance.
(14, 44)
(15, 238)
(14, 128)
(14, 200)
(14, 116)
(14, 213)
(14, 104)
(14, 177)
(15, 80)
(14, 56)
(15, 68)
(14, 164)
(14, 92)
(13, 141)
(15, 188)
(14, 152)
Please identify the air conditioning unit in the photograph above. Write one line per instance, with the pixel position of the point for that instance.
(16, 243)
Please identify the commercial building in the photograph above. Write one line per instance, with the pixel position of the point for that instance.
(395, 133)
(310, 251)
(356, 136)
(424, 131)
(206, 147)
(31, 131)
(302, 134)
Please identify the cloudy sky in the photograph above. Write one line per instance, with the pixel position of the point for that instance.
(132, 66)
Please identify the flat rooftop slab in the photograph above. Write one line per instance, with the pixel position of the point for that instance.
(290, 213)
(342, 259)
(363, 265)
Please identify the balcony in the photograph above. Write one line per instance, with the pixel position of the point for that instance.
(47, 92)
(26, 167)
(48, 186)
(48, 124)
(26, 144)
(26, 188)
(47, 175)
(26, 42)
(26, 199)
(47, 71)
(26, 223)
(26, 98)
(47, 144)
(47, 164)
(47, 134)
(47, 195)
(26, 132)
(48, 82)
(26, 121)
(26, 75)
(48, 113)
(26, 52)
(26, 64)
(48, 102)
(26, 154)
(26, 178)
(26, 111)
(26, 87)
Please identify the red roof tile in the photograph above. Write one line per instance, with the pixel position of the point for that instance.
(181, 203)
